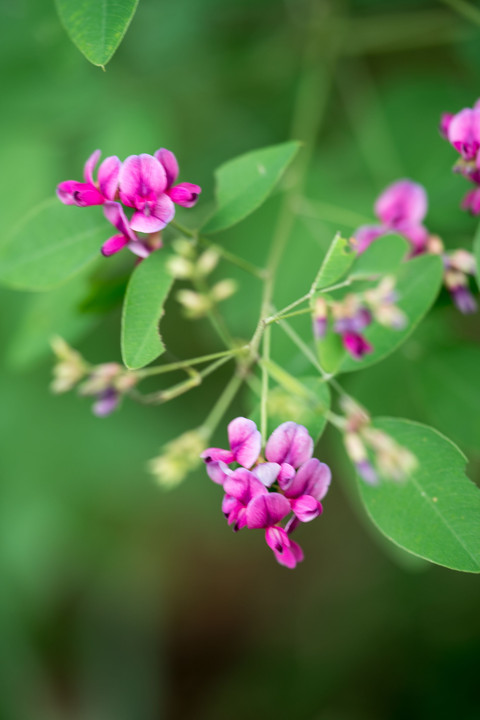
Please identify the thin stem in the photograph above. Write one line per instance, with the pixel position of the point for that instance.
(234, 259)
(221, 406)
(181, 364)
(264, 396)
(304, 349)
(278, 318)
(181, 228)
(274, 318)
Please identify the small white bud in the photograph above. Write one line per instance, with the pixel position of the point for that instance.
(223, 290)
(207, 261)
(180, 267)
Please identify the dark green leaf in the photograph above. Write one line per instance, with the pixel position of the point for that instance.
(142, 309)
(245, 182)
(96, 26)
(52, 243)
(435, 512)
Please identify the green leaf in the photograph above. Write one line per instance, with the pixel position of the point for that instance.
(418, 283)
(52, 243)
(244, 183)
(476, 252)
(449, 382)
(96, 27)
(47, 314)
(146, 293)
(337, 263)
(308, 408)
(435, 512)
(382, 257)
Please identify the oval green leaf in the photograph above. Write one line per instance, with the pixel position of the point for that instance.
(96, 27)
(142, 310)
(52, 243)
(338, 261)
(245, 182)
(435, 512)
(382, 257)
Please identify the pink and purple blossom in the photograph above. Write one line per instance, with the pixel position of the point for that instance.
(90, 192)
(262, 493)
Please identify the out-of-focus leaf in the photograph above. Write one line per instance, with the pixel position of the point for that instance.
(382, 257)
(418, 283)
(435, 512)
(52, 243)
(337, 263)
(45, 315)
(104, 294)
(308, 409)
(449, 382)
(245, 182)
(142, 309)
(96, 26)
(476, 250)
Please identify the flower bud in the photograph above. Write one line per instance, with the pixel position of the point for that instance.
(194, 303)
(179, 267)
(223, 290)
(178, 458)
(207, 261)
(69, 369)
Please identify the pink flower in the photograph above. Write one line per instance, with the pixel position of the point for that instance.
(142, 185)
(464, 132)
(241, 488)
(401, 208)
(286, 551)
(114, 213)
(266, 511)
(87, 193)
(245, 444)
(356, 345)
(307, 488)
(185, 194)
(289, 443)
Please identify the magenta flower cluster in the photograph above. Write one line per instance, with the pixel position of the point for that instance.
(144, 184)
(261, 493)
(462, 131)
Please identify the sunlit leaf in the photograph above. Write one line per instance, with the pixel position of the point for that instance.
(96, 26)
(245, 182)
(142, 309)
(51, 243)
(435, 512)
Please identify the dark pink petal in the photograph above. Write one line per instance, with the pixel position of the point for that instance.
(106, 402)
(416, 234)
(114, 213)
(267, 510)
(289, 443)
(286, 552)
(245, 441)
(445, 120)
(71, 192)
(89, 166)
(471, 201)
(402, 202)
(114, 245)
(170, 165)
(356, 345)
(217, 455)
(244, 486)
(306, 508)
(313, 478)
(185, 194)
(267, 473)
(108, 173)
(366, 234)
(141, 177)
(464, 132)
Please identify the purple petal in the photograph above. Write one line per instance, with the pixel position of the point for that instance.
(245, 441)
(71, 192)
(312, 478)
(185, 194)
(217, 455)
(464, 132)
(445, 120)
(108, 173)
(114, 245)
(106, 403)
(306, 508)
(267, 473)
(141, 177)
(366, 234)
(402, 202)
(356, 345)
(244, 486)
(367, 472)
(89, 166)
(289, 443)
(463, 299)
(170, 165)
(155, 219)
(114, 213)
(267, 510)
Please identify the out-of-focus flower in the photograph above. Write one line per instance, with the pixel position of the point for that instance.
(70, 367)
(178, 458)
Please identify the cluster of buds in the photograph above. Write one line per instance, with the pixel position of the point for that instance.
(106, 383)
(288, 484)
(145, 185)
(177, 459)
(462, 130)
(459, 265)
(400, 209)
(186, 265)
(352, 315)
(362, 441)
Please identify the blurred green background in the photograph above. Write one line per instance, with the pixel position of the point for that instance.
(119, 601)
